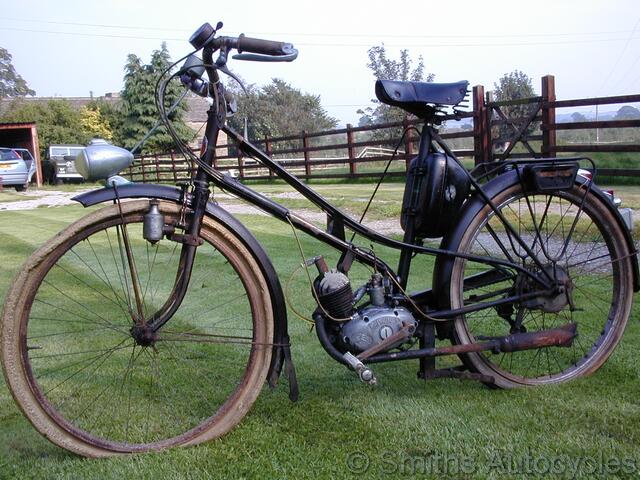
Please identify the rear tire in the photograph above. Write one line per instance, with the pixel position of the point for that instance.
(81, 378)
(597, 261)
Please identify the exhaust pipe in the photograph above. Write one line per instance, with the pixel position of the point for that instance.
(557, 337)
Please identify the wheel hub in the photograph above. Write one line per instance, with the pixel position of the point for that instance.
(560, 296)
(143, 335)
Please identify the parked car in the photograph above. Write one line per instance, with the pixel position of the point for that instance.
(29, 160)
(13, 169)
(60, 163)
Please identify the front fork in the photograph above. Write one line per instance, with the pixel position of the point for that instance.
(144, 329)
(190, 242)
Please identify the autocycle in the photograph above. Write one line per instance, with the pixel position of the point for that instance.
(154, 321)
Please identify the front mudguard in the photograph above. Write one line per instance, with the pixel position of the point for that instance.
(281, 352)
(451, 241)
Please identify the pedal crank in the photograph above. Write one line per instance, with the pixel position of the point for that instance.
(365, 374)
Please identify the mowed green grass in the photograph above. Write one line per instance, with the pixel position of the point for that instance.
(341, 428)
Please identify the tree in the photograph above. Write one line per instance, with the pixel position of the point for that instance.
(514, 86)
(385, 68)
(139, 113)
(278, 109)
(11, 83)
(58, 122)
(94, 125)
(110, 115)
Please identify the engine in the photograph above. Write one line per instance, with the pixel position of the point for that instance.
(370, 325)
(358, 329)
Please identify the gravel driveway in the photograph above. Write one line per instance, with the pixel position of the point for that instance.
(39, 198)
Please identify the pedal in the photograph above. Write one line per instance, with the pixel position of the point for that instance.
(401, 335)
(364, 373)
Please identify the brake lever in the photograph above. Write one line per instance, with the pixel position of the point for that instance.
(228, 72)
(221, 61)
(254, 57)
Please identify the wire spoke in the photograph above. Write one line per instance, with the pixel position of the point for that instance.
(108, 352)
(103, 320)
(118, 300)
(106, 276)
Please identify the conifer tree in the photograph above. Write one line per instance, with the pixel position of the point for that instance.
(138, 110)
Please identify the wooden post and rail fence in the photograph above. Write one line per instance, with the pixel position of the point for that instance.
(356, 152)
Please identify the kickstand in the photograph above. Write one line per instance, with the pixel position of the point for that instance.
(290, 371)
(427, 340)
(282, 359)
(428, 370)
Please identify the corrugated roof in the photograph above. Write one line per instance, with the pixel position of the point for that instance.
(9, 125)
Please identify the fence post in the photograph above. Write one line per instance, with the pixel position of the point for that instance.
(173, 166)
(548, 116)
(269, 151)
(407, 158)
(305, 145)
(408, 142)
(479, 119)
(144, 176)
(157, 162)
(215, 153)
(240, 164)
(488, 138)
(351, 150)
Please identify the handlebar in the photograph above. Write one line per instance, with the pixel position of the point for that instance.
(205, 37)
(263, 47)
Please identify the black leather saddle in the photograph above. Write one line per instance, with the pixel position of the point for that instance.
(414, 96)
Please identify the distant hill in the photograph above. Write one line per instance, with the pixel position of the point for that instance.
(566, 117)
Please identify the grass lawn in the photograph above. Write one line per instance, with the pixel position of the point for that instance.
(350, 197)
(68, 187)
(7, 195)
(340, 428)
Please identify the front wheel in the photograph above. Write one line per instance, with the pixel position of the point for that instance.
(581, 245)
(90, 385)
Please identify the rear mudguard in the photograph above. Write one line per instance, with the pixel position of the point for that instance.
(281, 352)
(444, 263)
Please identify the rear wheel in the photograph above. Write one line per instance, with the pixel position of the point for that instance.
(88, 383)
(584, 248)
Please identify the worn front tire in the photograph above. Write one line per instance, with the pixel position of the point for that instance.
(83, 381)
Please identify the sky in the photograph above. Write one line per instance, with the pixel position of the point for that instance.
(592, 47)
